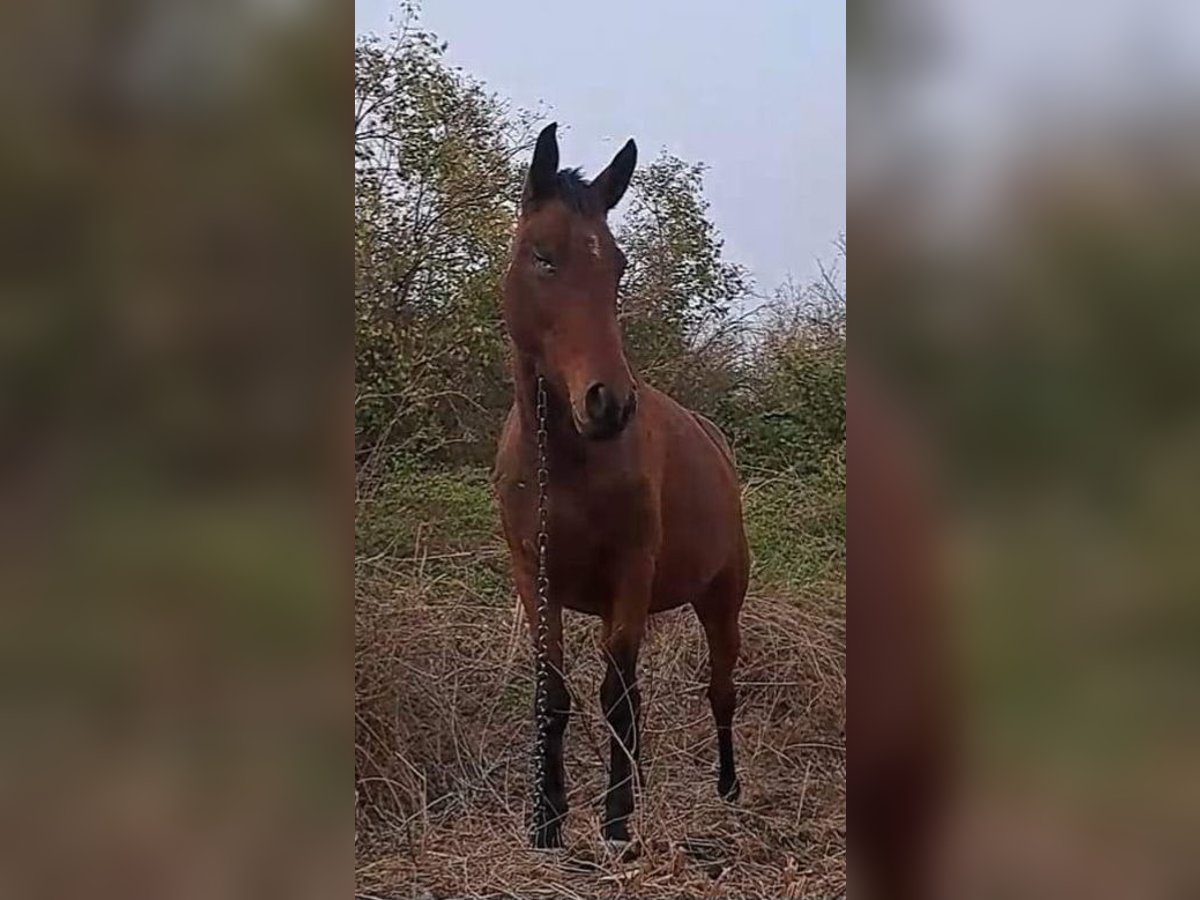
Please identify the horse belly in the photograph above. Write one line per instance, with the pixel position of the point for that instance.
(684, 570)
(698, 545)
(586, 547)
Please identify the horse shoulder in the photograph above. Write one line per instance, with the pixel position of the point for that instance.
(509, 475)
(507, 460)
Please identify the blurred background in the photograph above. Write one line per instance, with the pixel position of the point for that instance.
(1025, 202)
(175, 337)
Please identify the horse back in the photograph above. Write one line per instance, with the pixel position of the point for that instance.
(717, 436)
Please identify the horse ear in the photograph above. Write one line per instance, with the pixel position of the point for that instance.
(539, 182)
(610, 184)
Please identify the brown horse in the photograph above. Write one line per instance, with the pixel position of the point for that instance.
(644, 503)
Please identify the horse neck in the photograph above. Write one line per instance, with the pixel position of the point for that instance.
(563, 440)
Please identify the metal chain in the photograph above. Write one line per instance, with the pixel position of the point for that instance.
(541, 814)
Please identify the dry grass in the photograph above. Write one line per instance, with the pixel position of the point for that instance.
(444, 730)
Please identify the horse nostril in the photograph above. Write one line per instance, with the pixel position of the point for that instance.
(598, 402)
(607, 415)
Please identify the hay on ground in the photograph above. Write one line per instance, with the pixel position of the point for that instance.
(444, 730)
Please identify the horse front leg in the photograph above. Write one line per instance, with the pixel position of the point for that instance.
(621, 700)
(553, 702)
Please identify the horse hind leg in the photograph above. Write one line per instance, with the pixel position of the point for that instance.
(718, 613)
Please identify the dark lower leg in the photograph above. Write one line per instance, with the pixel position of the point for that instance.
(550, 807)
(724, 643)
(723, 698)
(621, 701)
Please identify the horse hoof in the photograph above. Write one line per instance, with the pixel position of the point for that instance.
(730, 791)
(548, 839)
(623, 851)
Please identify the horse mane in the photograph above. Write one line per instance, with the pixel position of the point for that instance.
(576, 192)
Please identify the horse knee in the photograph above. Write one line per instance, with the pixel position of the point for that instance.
(619, 694)
(621, 700)
(720, 686)
(722, 693)
(722, 696)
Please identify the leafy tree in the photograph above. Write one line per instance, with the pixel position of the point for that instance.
(790, 406)
(438, 171)
(678, 291)
(435, 181)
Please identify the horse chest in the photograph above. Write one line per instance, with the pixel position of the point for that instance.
(587, 521)
(596, 521)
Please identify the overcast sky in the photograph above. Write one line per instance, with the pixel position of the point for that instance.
(757, 91)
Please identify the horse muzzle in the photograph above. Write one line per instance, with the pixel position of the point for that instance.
(605, 413)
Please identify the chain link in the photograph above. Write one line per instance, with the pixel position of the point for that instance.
(541, 813)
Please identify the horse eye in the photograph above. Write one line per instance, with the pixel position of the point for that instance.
(543, 263)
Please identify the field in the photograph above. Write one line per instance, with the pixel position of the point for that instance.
(444, 727)
(443, 668)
